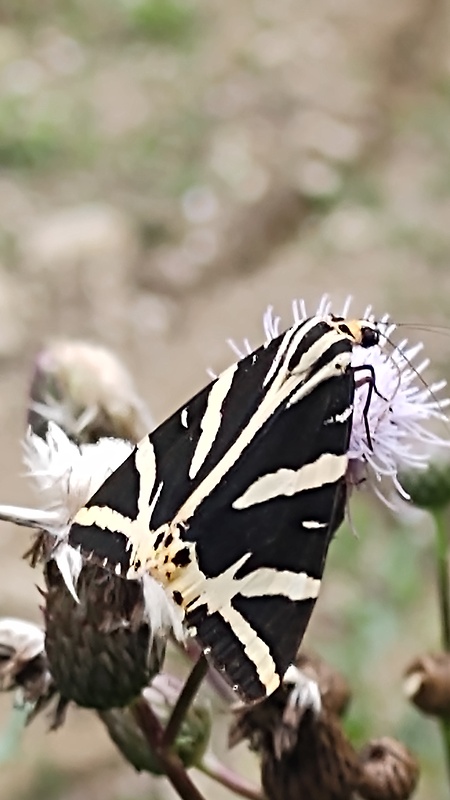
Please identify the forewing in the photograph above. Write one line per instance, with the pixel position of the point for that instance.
(267, 529)
(247, 541)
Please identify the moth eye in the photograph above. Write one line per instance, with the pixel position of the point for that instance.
(168, 540)
(178, 598)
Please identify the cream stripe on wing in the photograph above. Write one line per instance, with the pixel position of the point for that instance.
(327, 468)
(212, 418)
(265, 581)
(256, 649)
(145, 461)
(312, 524)
(272, 400)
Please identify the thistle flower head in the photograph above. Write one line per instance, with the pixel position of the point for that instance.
(86, 390)
(400, 408)
(66, 475)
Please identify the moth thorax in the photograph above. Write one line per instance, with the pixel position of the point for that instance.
(359, 331)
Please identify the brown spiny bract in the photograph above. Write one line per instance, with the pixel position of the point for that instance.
(99, 650)
(388, 770)
(427, 683)
(322, 764)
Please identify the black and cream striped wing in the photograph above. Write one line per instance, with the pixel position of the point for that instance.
(236, 508)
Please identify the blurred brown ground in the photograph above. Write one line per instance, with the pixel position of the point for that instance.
(168, 169)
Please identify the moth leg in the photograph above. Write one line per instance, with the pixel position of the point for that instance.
(370, 380)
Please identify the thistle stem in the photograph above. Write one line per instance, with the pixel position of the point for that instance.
(442, 564)
(214, 768)
(184, 701)
(170, 762)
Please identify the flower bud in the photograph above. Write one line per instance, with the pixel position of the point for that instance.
(427, 683)
(430, 488)
(389, 770)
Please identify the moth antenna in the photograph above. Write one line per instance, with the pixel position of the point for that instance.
(445, 329)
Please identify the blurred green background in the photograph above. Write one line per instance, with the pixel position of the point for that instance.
(168, 168)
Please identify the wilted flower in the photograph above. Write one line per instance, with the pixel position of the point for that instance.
(23, 663)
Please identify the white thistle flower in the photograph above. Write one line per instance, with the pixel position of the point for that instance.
(66, 475)
(400, 409)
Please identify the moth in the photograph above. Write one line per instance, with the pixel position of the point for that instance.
(232, 502)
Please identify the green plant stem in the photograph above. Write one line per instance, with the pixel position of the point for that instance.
(442, 559)
(443, 576)
(184, 701)
(214, 768)
(170, 762)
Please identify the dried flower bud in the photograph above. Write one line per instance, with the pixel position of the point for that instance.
(430, 488)
(304, 751)
(389, 771)
(334, 689)
(23, 662)
(87, 392)
(191, 741)
(322, 766)
(427, 683)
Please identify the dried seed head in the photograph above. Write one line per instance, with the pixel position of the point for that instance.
(388, 770)
(193, 736)
(87, 392)
(427, 684)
